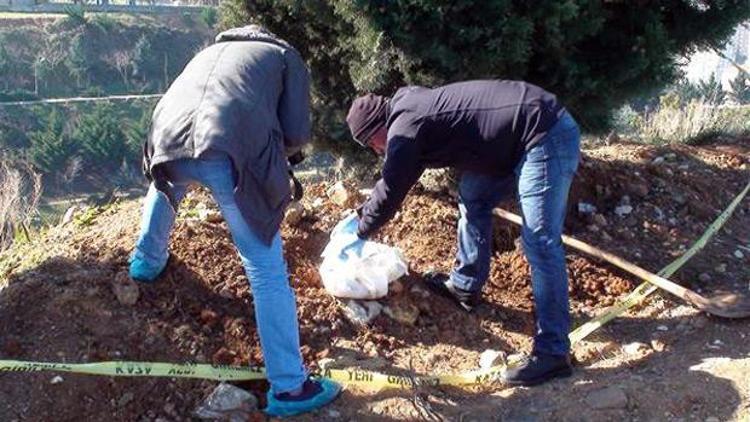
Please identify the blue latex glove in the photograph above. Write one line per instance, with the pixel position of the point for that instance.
(348, 225)
(347, 229)
(353, 248)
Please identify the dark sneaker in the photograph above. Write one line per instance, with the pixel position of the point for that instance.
(440, 283)
(315, 394)
(538, 368)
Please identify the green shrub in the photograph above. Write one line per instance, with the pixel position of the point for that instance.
(51, 147)
(75, 15)
(711, 91)
(595, 55)
(100, 137)
(740, 88)
(209, 16)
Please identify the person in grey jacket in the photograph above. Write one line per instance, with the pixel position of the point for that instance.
(229, 122)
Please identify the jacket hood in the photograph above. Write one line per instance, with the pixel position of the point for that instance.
(252, 33)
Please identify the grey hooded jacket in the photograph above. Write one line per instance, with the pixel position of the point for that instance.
(247, 96)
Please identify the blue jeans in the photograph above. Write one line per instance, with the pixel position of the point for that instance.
(275, 307)
(544, 176)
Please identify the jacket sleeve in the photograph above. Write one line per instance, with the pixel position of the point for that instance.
(401, 171)
(294, 105)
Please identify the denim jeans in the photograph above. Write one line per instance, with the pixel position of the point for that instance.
(543, 176)
(273, 298)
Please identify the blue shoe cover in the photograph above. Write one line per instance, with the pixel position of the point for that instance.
(144, 272)
(280, 408)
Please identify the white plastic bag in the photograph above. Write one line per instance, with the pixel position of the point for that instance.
(359, 270)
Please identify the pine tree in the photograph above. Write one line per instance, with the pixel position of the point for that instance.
(740, 88)
(100, 137)
(711, 90)
(595, 55)
(51, 147)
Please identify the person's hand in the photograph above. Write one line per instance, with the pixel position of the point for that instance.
(349, 225)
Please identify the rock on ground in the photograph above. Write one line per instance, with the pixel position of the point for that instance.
(607, 398)
(125, 289)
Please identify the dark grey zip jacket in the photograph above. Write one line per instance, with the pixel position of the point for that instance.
(247, 96)
(481, 126)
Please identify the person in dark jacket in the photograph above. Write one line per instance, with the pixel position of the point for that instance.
(230, 121)
(502, 135)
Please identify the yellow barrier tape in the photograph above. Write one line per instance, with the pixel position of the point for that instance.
(370, 379)
(245, 373)
(646, 288)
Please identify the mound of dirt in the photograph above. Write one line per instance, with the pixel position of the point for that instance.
(63, 307)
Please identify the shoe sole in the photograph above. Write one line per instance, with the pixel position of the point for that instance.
(443, 291)
(560, 373)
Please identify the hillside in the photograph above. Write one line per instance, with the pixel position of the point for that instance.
(58, 304)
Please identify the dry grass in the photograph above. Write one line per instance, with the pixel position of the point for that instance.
(671, 122)
(20, 191)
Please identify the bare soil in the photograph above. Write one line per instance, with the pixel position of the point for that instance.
(58, 305)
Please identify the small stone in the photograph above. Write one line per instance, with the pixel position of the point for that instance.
(623, 210)
(635, 348)
(639, 188)
(294, 213)
(125, 289)
(600, 220)
(339, 194)
(56, 380)
(125, 399)
(658, 160)
(670, 156)
(738, 254)
(606, 237)
(490, 358)
(403, 312)
(586, 209)
(607, 398)
(662, 328)
(704, 277)
(625, 200)
(225, 400)
(658, 345)
(593, 228)
(721, 268)
(362, 312)
(334, 413)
